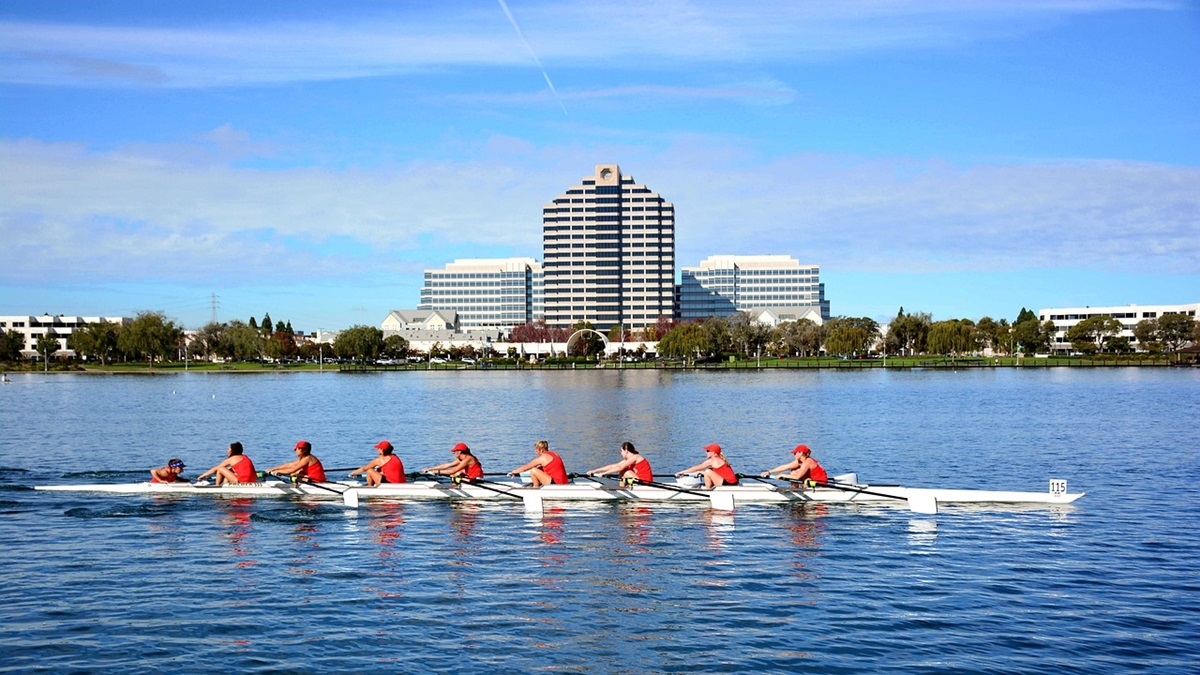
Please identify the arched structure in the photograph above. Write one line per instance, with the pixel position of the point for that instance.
(581, 331)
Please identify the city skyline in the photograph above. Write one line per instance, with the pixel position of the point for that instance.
(313, 160)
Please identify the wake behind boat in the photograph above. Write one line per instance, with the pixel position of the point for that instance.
(840, 490)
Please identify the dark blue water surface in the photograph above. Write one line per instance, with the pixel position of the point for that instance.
(123, 583)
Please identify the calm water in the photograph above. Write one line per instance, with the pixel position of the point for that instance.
(195, 585)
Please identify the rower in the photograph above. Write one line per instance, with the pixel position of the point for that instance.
(306, 465)
(716, 470)
(802, 467)
(235, 468)
(545, 468)
(386, 468)
(631, 466)
(169, 473)
(464, 464)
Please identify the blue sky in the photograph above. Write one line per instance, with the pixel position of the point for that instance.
(311, 159)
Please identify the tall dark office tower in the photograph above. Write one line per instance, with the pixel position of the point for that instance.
(608, 253)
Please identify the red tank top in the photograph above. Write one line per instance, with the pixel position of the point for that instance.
(642, 470)
(315, 471)
(245, 470)
(154, 479)
(393, 470)
(818, 474)
(726, 473)
(475, 470)
(556, 469)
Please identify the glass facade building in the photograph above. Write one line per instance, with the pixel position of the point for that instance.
(726, 284)
(486, 293)
(608, 253)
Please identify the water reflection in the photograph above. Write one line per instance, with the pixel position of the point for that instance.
(922, 531)
(235, 515)
(806, 530)
(637, 521)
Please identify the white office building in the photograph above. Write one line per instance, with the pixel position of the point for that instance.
(32, 328)
(1065, 318)
(486, 294)
(723, 285)
(609, 253)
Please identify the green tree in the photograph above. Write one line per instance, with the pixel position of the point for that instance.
(1089, 336)
(747, 337)
(210, 340)
(802, 337)
(908, 334)
(395, 346)
(1175, 330)
(241, 341)
(11, 344)
(684, 341)
(953, 337)
(717, 338)
(47, 345)
(1146, 334)
(266, 326)
(850, 336)
(95, 340)
(361, 343)
(1033, 336)
(1025, 315)
(151, 336)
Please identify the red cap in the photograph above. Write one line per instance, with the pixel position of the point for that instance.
(713, 447)
(801, 449)
(461, 447)
(303, 444)
(383, 445)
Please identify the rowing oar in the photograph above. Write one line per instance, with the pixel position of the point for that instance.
(532, 502)
(919, 504)
(349, 495)
(718, 500)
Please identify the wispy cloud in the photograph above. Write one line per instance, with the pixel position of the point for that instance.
(138, 214)
(636, 35)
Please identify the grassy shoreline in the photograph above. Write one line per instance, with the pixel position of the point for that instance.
(907, 362)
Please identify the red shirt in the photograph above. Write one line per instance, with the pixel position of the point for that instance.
(474, 470)
(726, 473)
(641, 470)
(154, 479)
(393, 470)
(556, 469)
(245, 470)
(315, 471)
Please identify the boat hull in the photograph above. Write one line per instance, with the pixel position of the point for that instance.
(584, 491)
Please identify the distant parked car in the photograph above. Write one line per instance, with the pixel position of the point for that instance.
(437, 360)
(467, 359)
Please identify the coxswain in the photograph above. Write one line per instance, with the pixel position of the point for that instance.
(802, 467)
(545, 468)
(715, 468)
(386, 468)
(306, 466)
(631, 466)
(464, 464)
(169, 473)
(235, 468)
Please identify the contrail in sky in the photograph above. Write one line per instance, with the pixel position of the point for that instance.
(504, 6)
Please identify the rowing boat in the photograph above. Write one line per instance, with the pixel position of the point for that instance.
(592, 490)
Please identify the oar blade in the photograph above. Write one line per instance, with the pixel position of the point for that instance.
(722, 501)
(350, 498)
(923, 503)
(533, 503)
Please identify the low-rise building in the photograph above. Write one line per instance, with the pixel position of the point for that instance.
(723, 285)
(486, 294)
(1065, 318)
(59, 326)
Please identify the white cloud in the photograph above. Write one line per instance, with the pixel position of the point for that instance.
(639, 35)
(132, 215)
